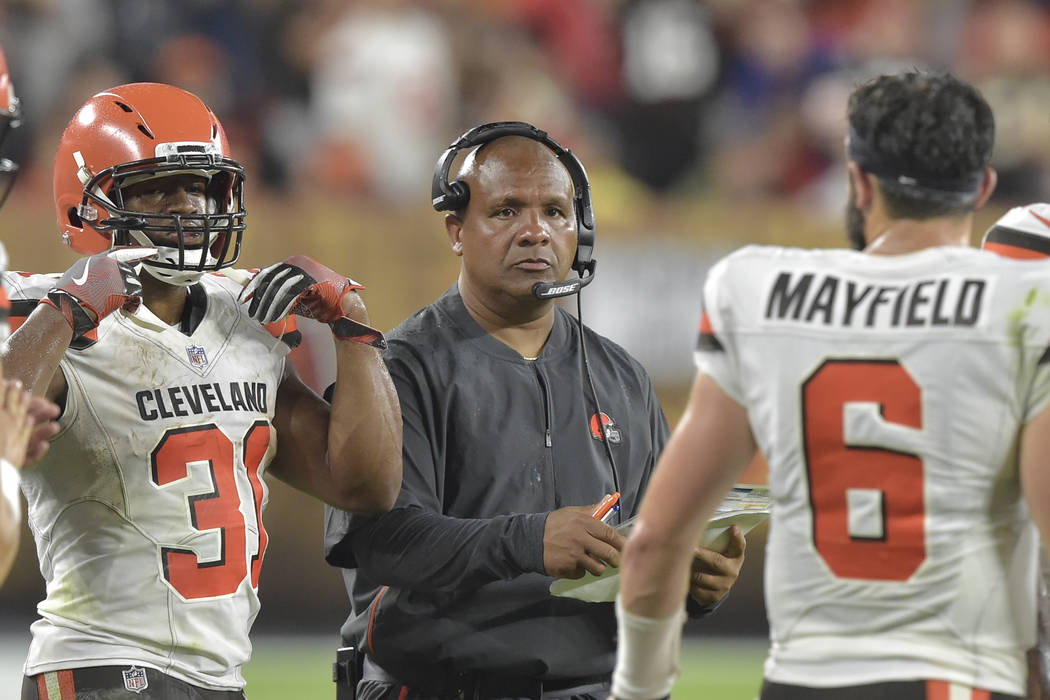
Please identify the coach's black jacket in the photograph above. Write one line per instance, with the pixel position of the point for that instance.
(492, 444)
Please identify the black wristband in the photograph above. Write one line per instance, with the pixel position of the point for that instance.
(69, 306)
(349, 329)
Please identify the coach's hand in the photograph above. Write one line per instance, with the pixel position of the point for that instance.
(302, 286)
(93, 288)
(575, 543)
(714, 573)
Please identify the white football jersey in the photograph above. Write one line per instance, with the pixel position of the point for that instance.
(887, 394)
(147, 510)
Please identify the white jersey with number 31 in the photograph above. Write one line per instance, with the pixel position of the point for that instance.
(147, 510)
(887, 394)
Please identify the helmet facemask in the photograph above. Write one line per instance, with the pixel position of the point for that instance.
(221, 225)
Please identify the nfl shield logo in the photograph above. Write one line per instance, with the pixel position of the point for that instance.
(135, 679)
(197, 356)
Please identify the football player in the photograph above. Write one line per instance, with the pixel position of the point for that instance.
(902, 397)
(170, 367)
(26, 423)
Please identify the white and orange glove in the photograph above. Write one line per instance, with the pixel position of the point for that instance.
(305, 287)
(94, 287)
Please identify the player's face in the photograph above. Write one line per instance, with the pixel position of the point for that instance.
(183, 193)
(519, 227)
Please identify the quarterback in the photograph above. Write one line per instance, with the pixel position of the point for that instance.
(170, 368)
(906, 442)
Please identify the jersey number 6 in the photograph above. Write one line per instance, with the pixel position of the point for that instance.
(219, 510)
(867, 500)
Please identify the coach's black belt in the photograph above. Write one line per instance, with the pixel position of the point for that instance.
(480, 685)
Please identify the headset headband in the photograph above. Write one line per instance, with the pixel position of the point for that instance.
(450, 196)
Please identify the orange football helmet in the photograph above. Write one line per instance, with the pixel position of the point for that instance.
(10, 117)
(139, 131)
(1022, 233)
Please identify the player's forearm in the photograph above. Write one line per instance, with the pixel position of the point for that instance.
(657, 556)
(654, 579)
(33, 352)
(654, 582)
(364, 434)
(710, 447)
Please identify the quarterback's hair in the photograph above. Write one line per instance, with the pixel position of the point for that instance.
(932, 125)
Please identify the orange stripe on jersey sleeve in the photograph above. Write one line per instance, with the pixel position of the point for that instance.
(708, 341)
(20, 310)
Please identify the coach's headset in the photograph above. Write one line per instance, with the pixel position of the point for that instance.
(452, 196)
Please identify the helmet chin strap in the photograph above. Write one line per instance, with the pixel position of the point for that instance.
(179, 278)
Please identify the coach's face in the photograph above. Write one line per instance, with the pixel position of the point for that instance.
(519, 226)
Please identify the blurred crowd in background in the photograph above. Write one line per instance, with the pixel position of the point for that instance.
(740, 98)
(704, 125)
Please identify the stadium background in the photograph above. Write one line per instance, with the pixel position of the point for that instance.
(704, 126)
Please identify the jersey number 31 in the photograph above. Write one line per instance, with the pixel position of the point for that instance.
(219, 510)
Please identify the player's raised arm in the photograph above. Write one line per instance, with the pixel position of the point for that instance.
(347, 454)
(91, 289)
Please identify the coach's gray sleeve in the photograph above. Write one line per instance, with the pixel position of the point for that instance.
(415, 549)
(415, 546)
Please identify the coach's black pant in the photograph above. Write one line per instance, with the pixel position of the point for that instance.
(897, 690)
(380, 690)
(113, 683)
(378, 684)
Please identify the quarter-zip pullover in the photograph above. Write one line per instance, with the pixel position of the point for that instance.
(452, 579)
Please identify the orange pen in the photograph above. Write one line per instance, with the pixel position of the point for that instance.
(606, 508)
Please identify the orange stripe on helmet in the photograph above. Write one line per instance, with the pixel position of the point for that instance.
(1016, 252)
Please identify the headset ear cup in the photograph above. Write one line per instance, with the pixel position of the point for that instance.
(458, 195)
(584, 248)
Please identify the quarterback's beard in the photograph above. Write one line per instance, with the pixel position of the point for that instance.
(854, 222)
